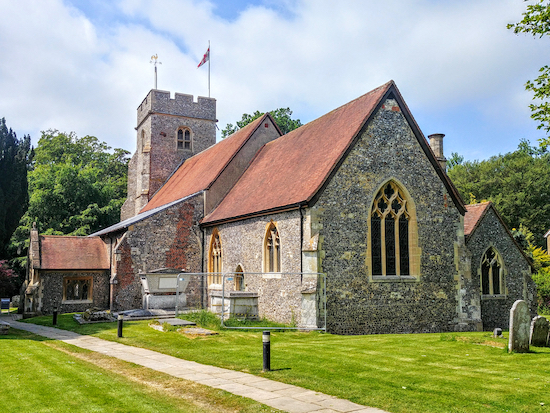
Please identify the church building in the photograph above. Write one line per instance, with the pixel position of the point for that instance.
(349, 221)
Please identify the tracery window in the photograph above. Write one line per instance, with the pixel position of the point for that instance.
(184, 139)
(215, 259)
(492, 276)
(390, 227)
(77, 289)
(272, 250)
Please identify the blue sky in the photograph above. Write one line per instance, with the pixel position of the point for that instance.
(84, 65)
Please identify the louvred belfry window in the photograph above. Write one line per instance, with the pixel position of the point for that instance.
(390, 221)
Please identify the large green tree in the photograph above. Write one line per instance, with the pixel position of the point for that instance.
(15, 158)
(518, 183)
(76, 186)
(282, 117)
(536, 21)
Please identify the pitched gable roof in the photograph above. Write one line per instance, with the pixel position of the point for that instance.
(61, 252)
(292, 170)
(472, 218)
(200, 171)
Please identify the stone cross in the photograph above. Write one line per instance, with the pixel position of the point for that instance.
(539, 331)
(519, 327)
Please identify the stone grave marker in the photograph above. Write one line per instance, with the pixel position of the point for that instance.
(539, 331)
(520, 321)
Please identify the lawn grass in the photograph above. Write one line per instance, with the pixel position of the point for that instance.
(449, 372)
(42, 375)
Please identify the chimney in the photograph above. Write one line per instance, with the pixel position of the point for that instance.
(436, 143)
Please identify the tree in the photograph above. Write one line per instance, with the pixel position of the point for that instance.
(15, 159)
(518, 183)
(541, 265)
(536, 21)
(282, 117)
(9, 285)
(77, 186)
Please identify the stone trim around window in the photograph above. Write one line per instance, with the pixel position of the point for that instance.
(183, 139)
(272, 249)
(215, 259)
(77, 290)
(392, 227)
(492, 275)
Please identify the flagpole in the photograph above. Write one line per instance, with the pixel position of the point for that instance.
(209, 59)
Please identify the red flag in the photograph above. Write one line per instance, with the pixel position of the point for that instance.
(205, 58)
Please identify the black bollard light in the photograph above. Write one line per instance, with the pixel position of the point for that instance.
(54, 321)
(120, 318)
(266, 339)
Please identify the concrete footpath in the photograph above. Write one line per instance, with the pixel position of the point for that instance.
(279, 395)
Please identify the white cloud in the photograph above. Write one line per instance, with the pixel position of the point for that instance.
(455, 61)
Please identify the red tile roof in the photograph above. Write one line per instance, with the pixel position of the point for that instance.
(291, 169)
(59, 252)
(474, 213)
(200, 171)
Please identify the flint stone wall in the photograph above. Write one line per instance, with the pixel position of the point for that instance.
(355, 305)
(518, 284)
(51, 291)
(279, 294)
(170, 238)
(158, 119)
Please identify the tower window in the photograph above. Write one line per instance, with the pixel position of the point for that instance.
(184, 139)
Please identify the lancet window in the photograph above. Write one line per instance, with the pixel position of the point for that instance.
(272, 253)
(492, 277)
(215, 259)
(390, 227)
(239, 279)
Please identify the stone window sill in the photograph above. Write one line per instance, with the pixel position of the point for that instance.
(394, 278)
(271, 275)
(77, 302)
(493, 297)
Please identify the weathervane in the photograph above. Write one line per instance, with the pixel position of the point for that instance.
(154, 59)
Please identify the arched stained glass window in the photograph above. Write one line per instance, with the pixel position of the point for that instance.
(390, 222)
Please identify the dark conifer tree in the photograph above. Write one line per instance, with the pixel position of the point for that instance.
(15, 160)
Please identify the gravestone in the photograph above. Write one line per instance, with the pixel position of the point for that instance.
(539, 331)
(520, 322)
(497, 332)
(4, 327)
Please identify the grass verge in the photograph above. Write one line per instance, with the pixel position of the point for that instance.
(41, 375)
(451, 372)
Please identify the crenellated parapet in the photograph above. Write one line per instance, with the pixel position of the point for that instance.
(159, 101)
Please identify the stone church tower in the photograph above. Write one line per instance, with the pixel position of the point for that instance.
(168, 132)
